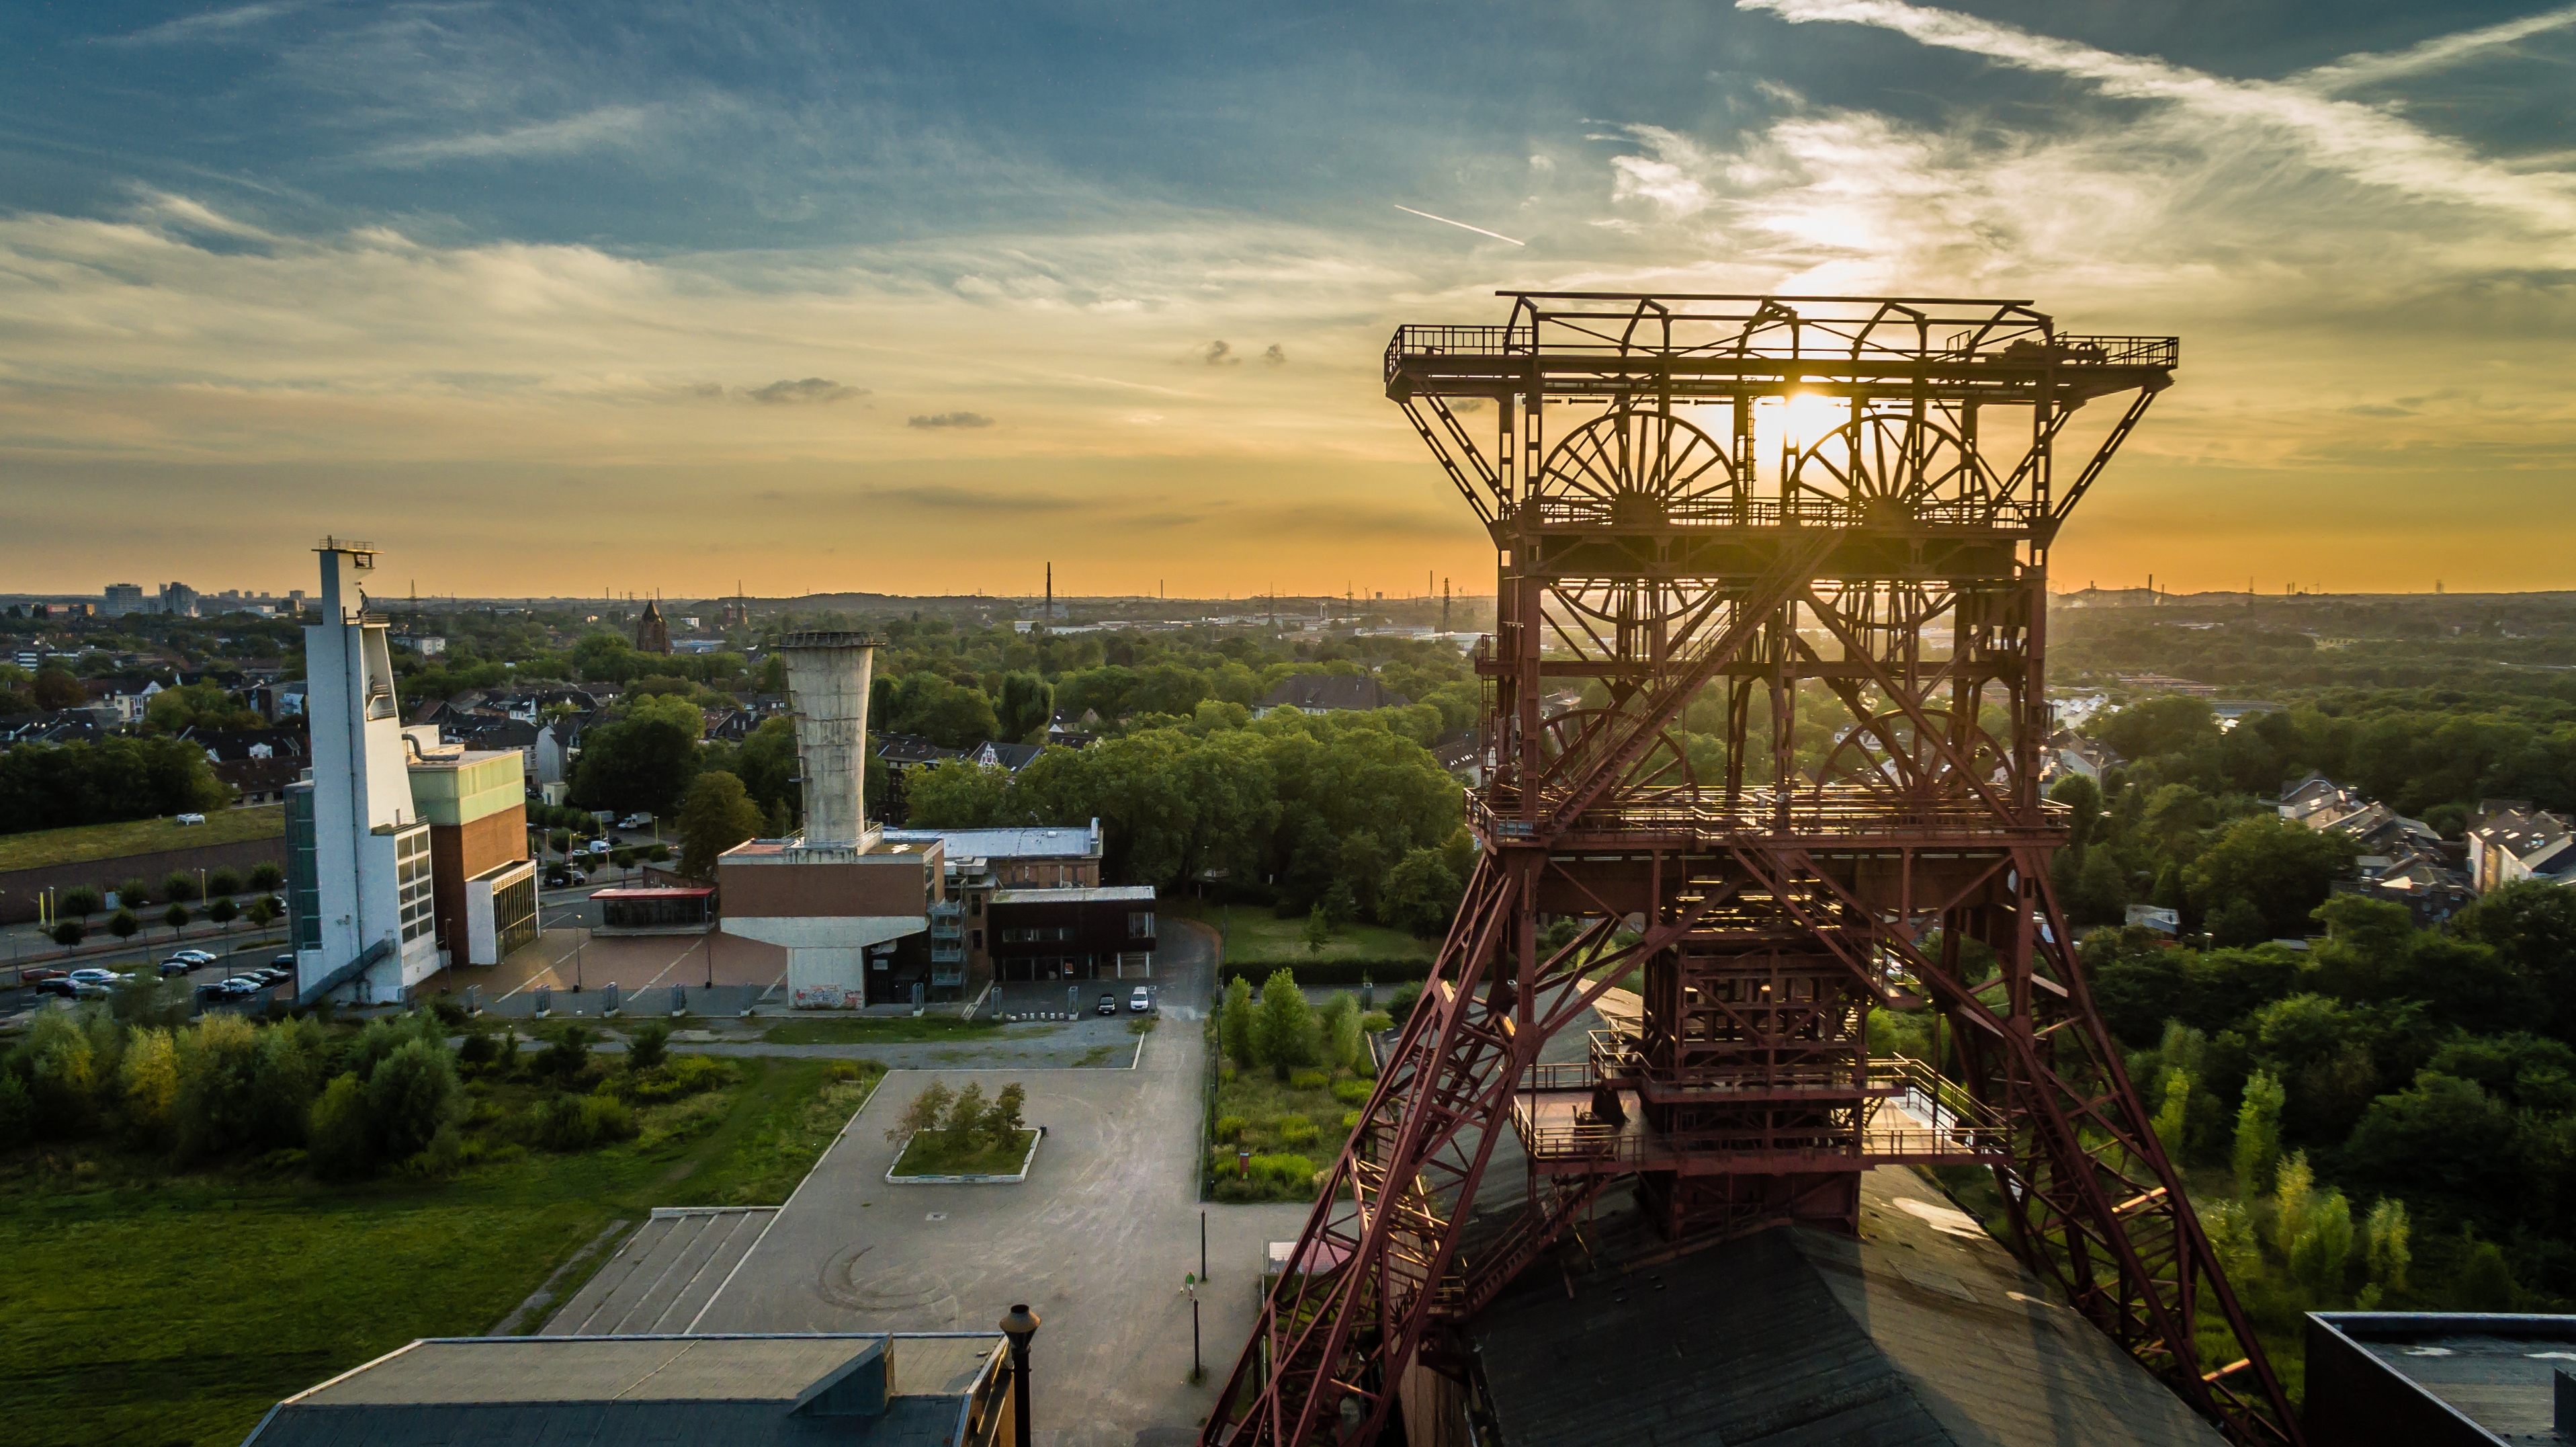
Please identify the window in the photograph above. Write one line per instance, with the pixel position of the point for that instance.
(1140, 925)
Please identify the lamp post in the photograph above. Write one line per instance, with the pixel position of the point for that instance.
(1020, 1325)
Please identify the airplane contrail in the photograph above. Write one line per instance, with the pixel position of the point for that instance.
(1461, 225)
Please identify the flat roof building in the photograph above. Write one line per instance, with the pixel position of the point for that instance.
(484, 884)
(2439, 1379)
(886, 1390)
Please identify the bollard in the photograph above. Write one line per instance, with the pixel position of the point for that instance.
(608, 999)
(545, 1000)
(474, 999)
(679, 999)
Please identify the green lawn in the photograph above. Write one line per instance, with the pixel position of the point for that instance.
(901, 1030)
(927, 1155)
(156, 1308)
(1255, 934)
(41, 848)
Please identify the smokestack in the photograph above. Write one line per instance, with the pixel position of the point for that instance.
(827, 685)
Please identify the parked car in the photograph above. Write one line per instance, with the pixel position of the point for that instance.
(104, 979)
(175, 966)
(37, 974)
(194, 957)
(271, 975)
(636, 821)
(58, 985)
(244, 986)
(599, 846)
(283, 962)
(1109, 1004)
(1142, 1000)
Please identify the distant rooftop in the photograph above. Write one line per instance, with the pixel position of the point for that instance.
(1033, 842)
(1079, 894)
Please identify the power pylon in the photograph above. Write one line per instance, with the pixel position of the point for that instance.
(1764, 716)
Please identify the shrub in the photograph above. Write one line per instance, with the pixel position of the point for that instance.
(133, 894)
(222, 881)
(1400, 1008)
(266, 877)
(68, 933)
(219, 1067)
(1234, 1022)
(124, 925)
(568, 1055)
(150, 1077)
(150, 1001)
(1352, 1092)
(412, 1094)
(1230, 1127)
(444, 1155)
(17, 1112)
(1374, 1021)
(81, 901)
(676, 1079)
(290, 1073)
(578, 1122)
(62, 1075)
(1308, 1080)
(336, 1135)
(1294, 1172)
(649, 1046)
(1350, 1120)
(659, 853)
(179, 886)
(1340, 1025)
(1295, 1130)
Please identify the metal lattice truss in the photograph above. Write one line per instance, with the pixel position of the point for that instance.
(1763, 714)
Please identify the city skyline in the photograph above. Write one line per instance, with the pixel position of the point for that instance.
(915, 304)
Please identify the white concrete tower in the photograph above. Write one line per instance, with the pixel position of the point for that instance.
(827, 681)
(370, 846)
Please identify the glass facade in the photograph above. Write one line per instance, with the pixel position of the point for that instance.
(303, 870)
(411, 875)
(514, 913)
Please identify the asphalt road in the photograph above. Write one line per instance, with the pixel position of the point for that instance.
(1097, 1240)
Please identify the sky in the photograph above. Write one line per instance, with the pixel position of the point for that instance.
(573, 298)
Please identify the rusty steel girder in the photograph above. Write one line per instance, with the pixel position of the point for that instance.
(1763, 717)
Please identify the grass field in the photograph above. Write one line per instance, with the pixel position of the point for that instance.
(1254, 933)
(41, 848)
(901, 1030)
(155, 1308)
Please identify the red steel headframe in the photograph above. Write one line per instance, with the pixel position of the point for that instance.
(1763, 717)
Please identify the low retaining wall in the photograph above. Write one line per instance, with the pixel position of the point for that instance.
(18, 887)
(1011, 1180)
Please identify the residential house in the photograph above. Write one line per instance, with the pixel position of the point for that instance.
(1331, 693)
(993, 754)
(2510, 841)
(2401, 860)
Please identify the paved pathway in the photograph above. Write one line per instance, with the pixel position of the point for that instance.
(1097, 1240)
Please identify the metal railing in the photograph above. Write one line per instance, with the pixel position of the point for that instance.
(1904, 1110)
(1845, 811)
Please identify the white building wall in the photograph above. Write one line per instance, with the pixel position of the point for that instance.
(371, 848)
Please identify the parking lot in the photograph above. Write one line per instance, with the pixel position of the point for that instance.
(231, 959)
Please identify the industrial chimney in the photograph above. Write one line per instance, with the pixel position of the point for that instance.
(827, 683)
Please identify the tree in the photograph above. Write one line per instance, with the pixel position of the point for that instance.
(410, 1094)
(1025, 707)
(222, 881)
(924, 1113)
(2485, 1282)
(2385, 1251)
(70, 932)
(2532, 927)
(716, 817)
(133, 894)
(2286, 871)
(2101, 893)
(1319, 927)
(956, 794)
(1002, 1124)
(2258, 1135)
(1235, 1021)
(2083, 800)
(124, 925)
(80, 901)
(2441, 1139)
(1286, 1035)
(176, 917)
(223, 912)
(265, 878)
(648, 1046)
(179, 886)
(56, 688)
(965, 1120)
(2239, 922)
(53, 786)
(642, 762)
(337, 1133)
(261, 911)
(1421, 894)
(1339, 1023)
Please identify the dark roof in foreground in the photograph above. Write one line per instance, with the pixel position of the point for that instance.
(2435, 1379)
(578, 1391)
(1923, 1333)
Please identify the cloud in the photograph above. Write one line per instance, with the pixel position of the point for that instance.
(2433, 54)
(208, 23)
(949, 419)
(975, 499)
(1276, 356)
(602, 127)
(1217, 354)
(811, 389)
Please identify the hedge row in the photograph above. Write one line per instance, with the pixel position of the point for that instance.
(1330, 972)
